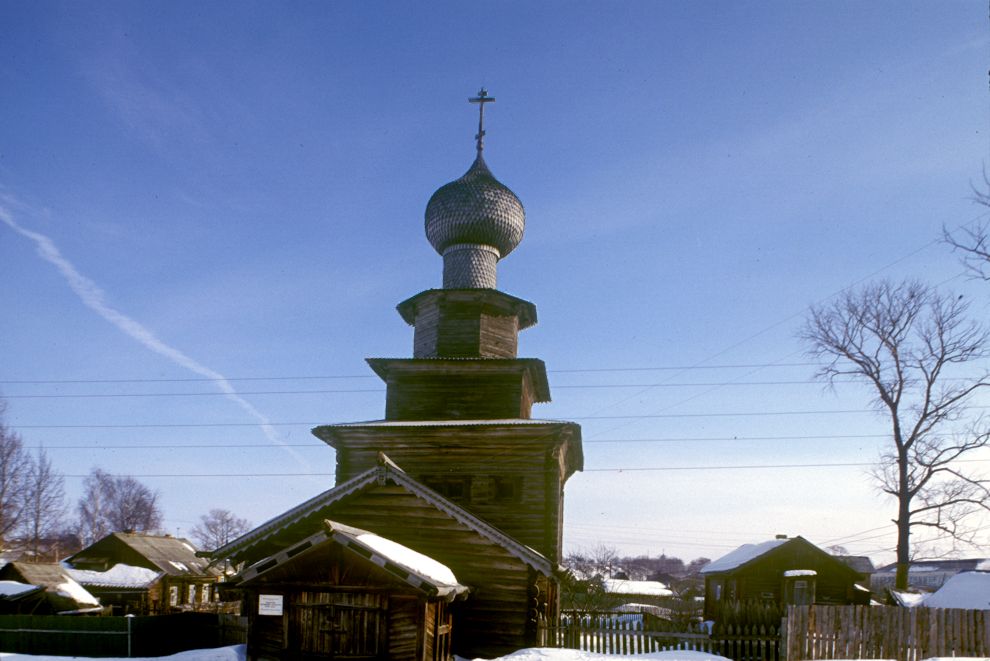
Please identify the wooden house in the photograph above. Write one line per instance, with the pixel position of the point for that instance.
(346, 593)
(55, 593)
(515, 587)
(780, 571)
(145, 574)
(926, 575)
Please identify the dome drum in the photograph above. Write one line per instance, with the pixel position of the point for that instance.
(469, 266)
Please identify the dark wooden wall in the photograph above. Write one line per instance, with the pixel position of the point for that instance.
(528, 462)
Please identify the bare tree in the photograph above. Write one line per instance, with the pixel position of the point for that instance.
(14, 465)
(902, 341)
(973, 242)
(217, 528)
(44, 504)
(116, 503)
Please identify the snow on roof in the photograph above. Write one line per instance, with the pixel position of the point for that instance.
(907, 599)
(69, 588)
(118, 576)
(15, 588)
(651, 588)
(741, 556)
(412, 560)
(969, 590)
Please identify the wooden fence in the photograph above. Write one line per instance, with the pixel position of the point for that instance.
(61, 635)
(609, 633)
(884, 632)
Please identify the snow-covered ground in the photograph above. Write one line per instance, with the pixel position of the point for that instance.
(236, 653)
(232, 653)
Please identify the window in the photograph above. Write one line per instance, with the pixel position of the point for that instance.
(192, 594)
(173, 595)
(477, 490)
(802, 596)
(453, 487)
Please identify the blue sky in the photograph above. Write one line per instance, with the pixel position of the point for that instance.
(236, 191)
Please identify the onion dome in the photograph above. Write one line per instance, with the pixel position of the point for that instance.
(477, 208)
(474, 221)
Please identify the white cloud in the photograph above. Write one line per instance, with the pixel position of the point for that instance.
(93, 297)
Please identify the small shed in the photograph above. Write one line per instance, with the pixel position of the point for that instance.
(54, 593)
(146, 574)
(773, 571)
(348, 593)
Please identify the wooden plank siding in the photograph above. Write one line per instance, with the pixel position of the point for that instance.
(500, 582)
(337, 604)
(535, 459)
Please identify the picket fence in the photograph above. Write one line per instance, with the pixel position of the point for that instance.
(884, 632)
(607, 633)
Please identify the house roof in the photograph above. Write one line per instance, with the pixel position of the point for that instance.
(174, 556)
(417, 570)
(63, 593)
(859, 563)
(641, 588)
(13, 590)
(969, 590)
(385, 472)
(118, 576)
(956, 565)
(742, 555)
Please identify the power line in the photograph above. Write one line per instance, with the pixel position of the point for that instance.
(177, 446)
(720, 414)
(589, 386)
(659, 368)
(629, 469)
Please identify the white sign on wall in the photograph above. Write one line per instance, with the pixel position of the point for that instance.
(269, 604)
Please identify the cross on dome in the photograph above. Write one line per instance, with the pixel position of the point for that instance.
(481, 100)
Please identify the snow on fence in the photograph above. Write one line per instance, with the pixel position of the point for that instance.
(885, 632)
(609, 633)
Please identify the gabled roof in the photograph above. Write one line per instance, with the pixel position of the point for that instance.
(411, 567)
(742, 555)
(749, 553)
(385, 472)
(174, 556)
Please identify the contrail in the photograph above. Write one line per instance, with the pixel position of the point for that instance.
(94, 298)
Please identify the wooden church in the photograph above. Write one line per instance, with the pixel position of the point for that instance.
(457, 472)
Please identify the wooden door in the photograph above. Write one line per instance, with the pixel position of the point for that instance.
(340, 626)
